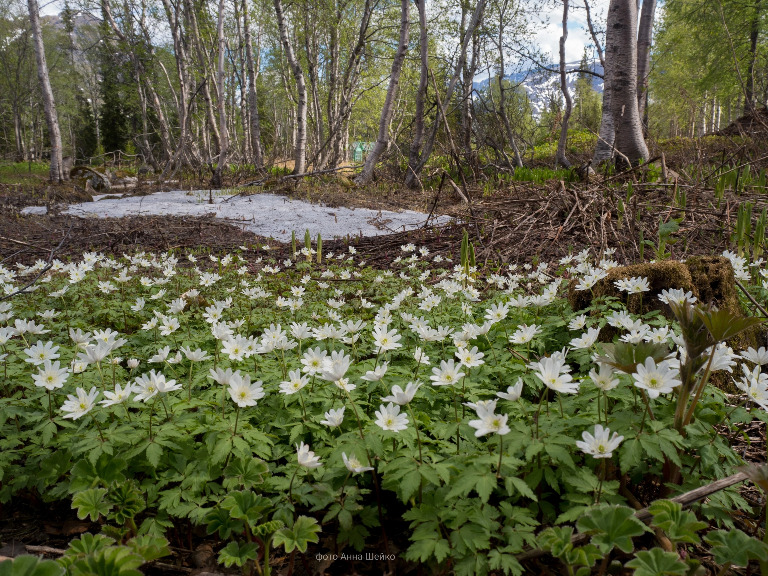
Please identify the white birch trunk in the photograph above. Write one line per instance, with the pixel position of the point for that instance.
(49, 105)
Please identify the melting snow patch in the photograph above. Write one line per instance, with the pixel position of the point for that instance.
(34, 210)
(263, 214)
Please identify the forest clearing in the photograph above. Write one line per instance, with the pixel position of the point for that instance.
(370, 287)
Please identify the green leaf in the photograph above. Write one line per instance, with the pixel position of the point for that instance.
(298, 537)
(246, 505)
(736, 547)
(560, 455)
(521, 486)
(30, 566)
(149, 547)
(91, 503)
(113, 561)
(678, 525)
(245, 473)
(83, 546)
(630, 455)
(657, 562)
(219, 520)
(723, 324)
(556, 540)
(485, 485)
(409, 484)
(238, 554)
(128, 501)
(154, 452)
(612, 527)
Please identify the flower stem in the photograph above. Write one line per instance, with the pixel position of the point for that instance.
(501, 452)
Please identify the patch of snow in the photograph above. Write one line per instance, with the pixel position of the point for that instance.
(34, 211)
(263, 214)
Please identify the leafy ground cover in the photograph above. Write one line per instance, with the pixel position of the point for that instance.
(311, 409)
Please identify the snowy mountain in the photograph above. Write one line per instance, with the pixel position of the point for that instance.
(542, 86)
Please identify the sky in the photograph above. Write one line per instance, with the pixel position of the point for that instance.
(548, 38)
(578, 32)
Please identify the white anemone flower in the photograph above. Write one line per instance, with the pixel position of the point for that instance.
(333, 418)
(294, 383)
(656, 379)
(489, 423)
(40, 352)
(77, 406)
(604, 378)
(601, 444)
(376, 374)
(120, 395)
(759, 356)
(150, 385)
(553, 372)
(513, 392)
(447, 375)
(306, 457)
(389, 418)
(51, 376)
(400, 396)
(243, 393)
(354, 465)
(586, 340)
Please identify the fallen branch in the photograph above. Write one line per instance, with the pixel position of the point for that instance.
(751, 299)
(291, 177)
(644, 515)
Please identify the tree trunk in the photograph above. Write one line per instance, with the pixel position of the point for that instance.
(606, 134)
(754, 33)
(253, 101)
(560, 158)
(207, 75)
(621, 54)
(49, 105)
(467, 80)
(300, 148)
(389, 103)
(221, 165)
(430, 142)
(421, 92)
(644, 38)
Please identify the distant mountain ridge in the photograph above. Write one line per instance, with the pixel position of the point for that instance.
(541, 85)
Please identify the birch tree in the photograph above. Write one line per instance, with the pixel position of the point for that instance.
(300, 141)
(382, 142)
(560, 156)
(621, 56)
(49, 105)
(414, 171)
(644, 39)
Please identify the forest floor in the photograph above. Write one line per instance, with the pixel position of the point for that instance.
(515, 223)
